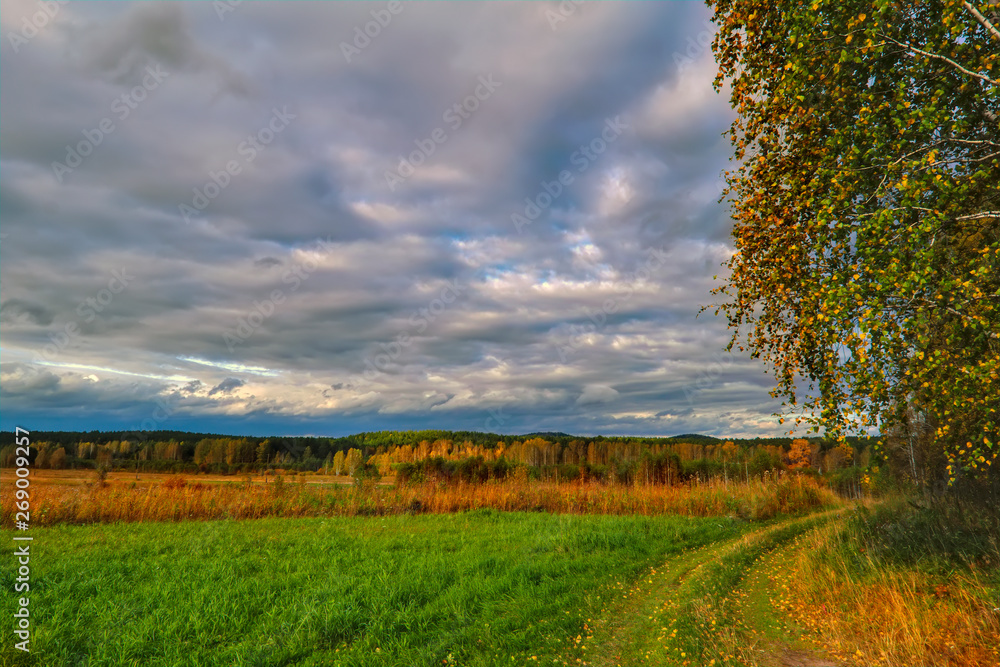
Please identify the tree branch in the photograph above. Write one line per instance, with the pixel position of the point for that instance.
(979, 216)
(963, 316)
(982, 19)
(947, 60)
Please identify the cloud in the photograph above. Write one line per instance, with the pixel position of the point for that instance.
(308, 296)
(226, 386)
(18, 310)
(18, 379)
(145, 35)
(596, 393)
(267, 262)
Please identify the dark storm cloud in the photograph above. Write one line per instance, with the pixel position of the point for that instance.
(146, 35)
(14, 310)
(299, 292)
(226, 386)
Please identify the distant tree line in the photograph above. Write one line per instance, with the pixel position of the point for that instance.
(451, 456)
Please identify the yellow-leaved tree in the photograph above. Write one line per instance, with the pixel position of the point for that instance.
(866, 207)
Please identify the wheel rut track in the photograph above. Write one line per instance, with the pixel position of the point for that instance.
(632, 632)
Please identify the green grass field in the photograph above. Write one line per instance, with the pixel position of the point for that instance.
(477, 588)
(501, 588)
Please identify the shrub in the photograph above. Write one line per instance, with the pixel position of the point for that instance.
(365, 474)
(569, 472)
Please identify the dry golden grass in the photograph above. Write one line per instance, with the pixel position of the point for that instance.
(179, 499)
(891, 616)
(82, 477)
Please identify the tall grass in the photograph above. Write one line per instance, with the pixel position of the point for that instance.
(895, 588)
(178, 500)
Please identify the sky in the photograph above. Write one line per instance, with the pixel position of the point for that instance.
(322, 218)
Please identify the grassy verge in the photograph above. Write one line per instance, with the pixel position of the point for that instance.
(479, 588)
(899, 586)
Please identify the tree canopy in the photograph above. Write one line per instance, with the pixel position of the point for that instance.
(866, 206)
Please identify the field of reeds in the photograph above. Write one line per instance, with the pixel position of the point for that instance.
(178, 499)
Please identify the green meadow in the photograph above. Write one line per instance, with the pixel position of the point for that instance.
(475, 588)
